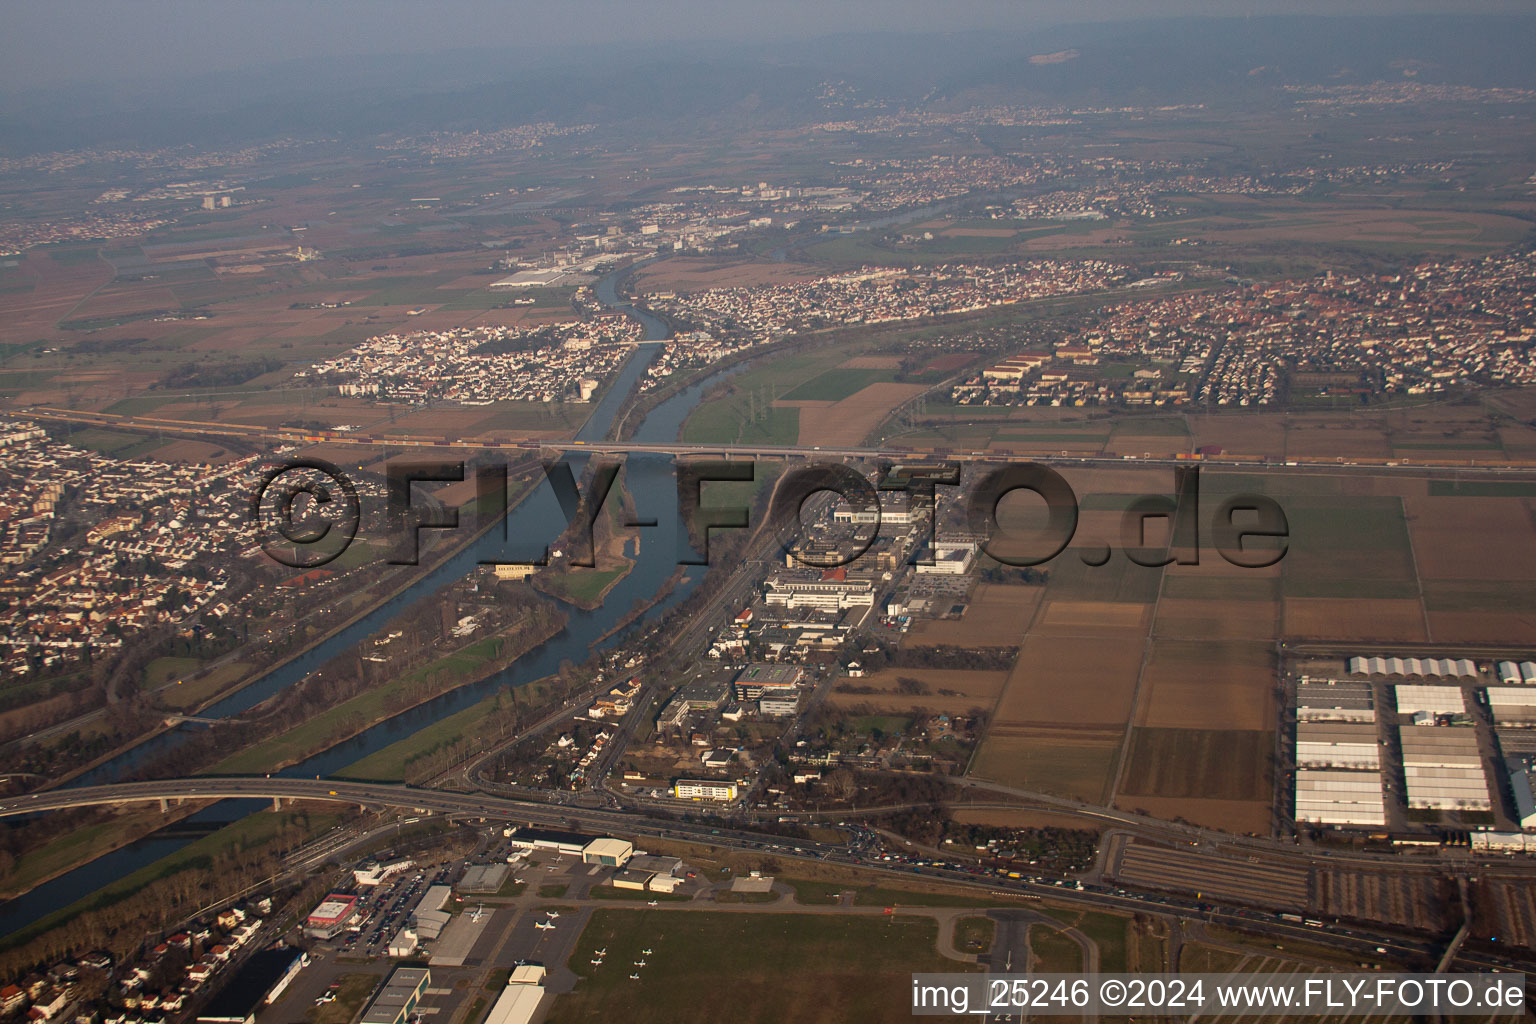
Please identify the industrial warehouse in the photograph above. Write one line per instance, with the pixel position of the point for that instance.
(1407, 743)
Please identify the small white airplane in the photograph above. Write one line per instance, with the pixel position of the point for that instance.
(639, 963)
(600, 952)
(634, 977)
(478, 912)
(597, 963)
(645, 952)
(551, 914)
(543, 926)
(652, 903)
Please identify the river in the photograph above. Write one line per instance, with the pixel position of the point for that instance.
(532, 523)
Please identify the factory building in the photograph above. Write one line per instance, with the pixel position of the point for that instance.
(948, 558)
(1413, 698)
(1332, 797)
(757, 681)
(1512, 705)
(1524, 787)
(1334, 701)
(1443, 769)
(1337, 745)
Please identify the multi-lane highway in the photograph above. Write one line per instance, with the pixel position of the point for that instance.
(264, 434)
(1353, 940)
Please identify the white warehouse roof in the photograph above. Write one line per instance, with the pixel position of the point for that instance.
(1437, 700)
(1339, 797)
(1448, 668)
(1447, 788)
(1512, 696)
(1337, 744)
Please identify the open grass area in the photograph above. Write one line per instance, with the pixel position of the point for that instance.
(974, 934)
(352, 992)
(73, 847)
(389, 764)
(1050, 950)
(189, 693)
(582, 587)
(837, 384)
(727, 422)
(805, 968)
(328, 726)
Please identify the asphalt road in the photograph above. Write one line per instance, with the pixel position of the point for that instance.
(1357, 941)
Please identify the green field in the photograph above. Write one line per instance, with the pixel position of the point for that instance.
(389, 764)
(326, 727)
(835, 385)
(582, 587)
(974, 934)
(191, 692)
(811, 969)
(1354, 547)
(727, 422)
(1050, 950)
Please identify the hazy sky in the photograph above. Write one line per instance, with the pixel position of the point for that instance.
(48, 42)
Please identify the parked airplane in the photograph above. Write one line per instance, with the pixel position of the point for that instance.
(543, 926)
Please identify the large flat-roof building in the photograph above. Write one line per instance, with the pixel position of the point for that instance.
(1334, 797)
(1443, 769)
(484, 877)
(704, 789)
(1335, 701)
(1512, 705)
(613, 853)
(1338, 745)
(568, 843)
(756, 681)
(261, 980)
(1413, 698)
(519, 1001)
(332, 915)
(591, 849)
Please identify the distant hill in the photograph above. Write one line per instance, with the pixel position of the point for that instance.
(1213, 60)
